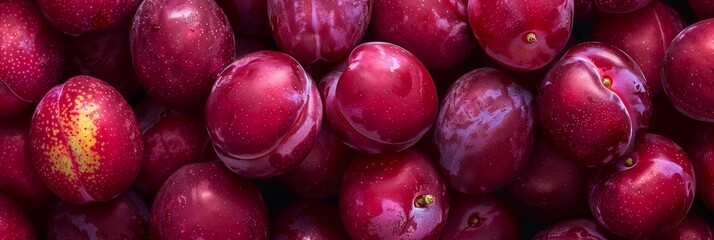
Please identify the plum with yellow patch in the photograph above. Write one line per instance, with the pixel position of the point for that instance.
(86, 143)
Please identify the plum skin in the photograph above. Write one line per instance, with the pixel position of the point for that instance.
(393, 196)
(76, 17)
(31, 56)
(247, 17)
(484, 216)
(263, 114)
(621, 195)
(702, 154)
(577, 228)
(15, 224)
(687, 71)
(309, 219)
(85, 141)
(177, 59)
(484, 132)
(620, 6)
(594, 104)
(537, 30)
(384, 101)
(703, 9)
(212, 202)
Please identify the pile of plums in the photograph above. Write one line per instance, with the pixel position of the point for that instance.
(356, 119)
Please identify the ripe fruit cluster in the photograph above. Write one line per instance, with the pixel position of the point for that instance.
(356, 119)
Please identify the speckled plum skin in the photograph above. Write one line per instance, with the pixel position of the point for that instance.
(575, 229)
(551, 186)
(593, 104)
(485, 216)
(125, 217)
(85, 141)
(484, 132)
(308, 219)
(620, 6)
(104, 55)
(263, 114)
(703, 9)
(436, 32)
(644, 35)
(320, 174)
(692, 227)
(19, 180)
(687, 71)
(536, 30)
(14, 224)
(380, 196)
(248, 17)
(177, 59)
(701, 153)
(31, 56)
(206, 200)
(646, 192)
(385, 100)
(76, 17)
(172, 139)
(319, 30)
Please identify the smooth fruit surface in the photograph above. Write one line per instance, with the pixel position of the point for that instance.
(485, 216)
(621, 195)
(308, 219)
(593, 104)
(703, 9)
(620, 6)
(484, 131)
(247, 17)
(264, 114)
(702, 154)
(575, 229)
(520, 34)
(75, 17)
(692, 227)
(14, 224)
(85, 141)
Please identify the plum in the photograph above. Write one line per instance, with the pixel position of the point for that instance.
(551, 186)
(644, 35)
(172, 139)
(620, 6)
(687, 71)
(76, 17)
(125, 217)
(484, 216)
(104, 55)
(308, 219)
(692, 227)
(384, 101)
(249, 18)
(584, 9)
(319, 30)
(393, 196)
(263, 114)
(178, 47)
(437, 32)
(85, 141)
(703, 9)
(14, 224)
(646, 192)
(320, 174)
(522, 35)
(31, 56)
(206, 200)
(484, 131)
(702, 155)
(575, 229)
(593, 104)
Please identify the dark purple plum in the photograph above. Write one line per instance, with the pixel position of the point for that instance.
(178, 47)
(249, 18)
(584, 10)
(125, 217)
(384, 101)
(644, 35)
(665, 116)
(393, 196)
(76, 17)
(693, 227)
(320, 174)
(206, 200)
(484, 216)
(484, 132)
(264, 114)
(593, 104)
(701, 153)
(308, 219)
(437, 32)
(575, 229)
(31, 56)
(620, 6)
(646, 192)
(551, 186)
(687, 71)
(522, 35)
(14, 224)
(703, 9)
(172, 139)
